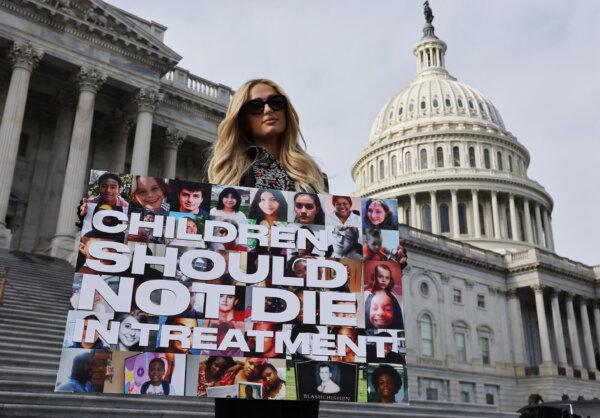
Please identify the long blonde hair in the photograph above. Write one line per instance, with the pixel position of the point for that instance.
(229, 161)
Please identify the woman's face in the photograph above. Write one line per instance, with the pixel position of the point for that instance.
(250, 370)
(229, 202)
(342, 208)
(148, 193)
(217, 367)
(305, 209)
(128, 335)
(191, 227)
(269, 123)
(268, 204)
(381, 313)
(376, 213)
(270, 377)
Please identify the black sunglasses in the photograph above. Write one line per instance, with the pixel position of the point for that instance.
(257, 106)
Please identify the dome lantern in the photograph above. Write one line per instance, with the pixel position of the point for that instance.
(430, 52)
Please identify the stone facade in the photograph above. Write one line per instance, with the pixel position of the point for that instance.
(492, 313)
(85, 84)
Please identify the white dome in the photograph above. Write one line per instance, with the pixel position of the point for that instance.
(441, 98)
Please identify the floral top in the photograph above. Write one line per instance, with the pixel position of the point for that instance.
(268, 172)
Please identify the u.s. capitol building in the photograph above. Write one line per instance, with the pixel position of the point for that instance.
(493, 314)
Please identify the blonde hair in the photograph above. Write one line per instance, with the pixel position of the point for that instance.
(229, 161)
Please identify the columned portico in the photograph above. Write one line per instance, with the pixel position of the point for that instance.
(147, 101)
(587, 336)
(558, 332)
(122, 126)
(24, 58)
(173, 140)
(90, 81)
(516, 331)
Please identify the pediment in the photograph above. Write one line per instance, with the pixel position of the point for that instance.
(98, 19)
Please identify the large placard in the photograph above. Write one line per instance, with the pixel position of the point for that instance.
(190, 289)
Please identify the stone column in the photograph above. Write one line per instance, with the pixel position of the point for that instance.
(24, 58)
(516, 331)
(547, 230)
(455, 225)
(476, 221)
(435, 217)
(56, 170)
(597, 321)
(513, 217)
(587, 335)
(573, 338)
(558, 330)
(122, 125)
(538, 225)
(413, 210)
(147, 101)
(538, 290)
(495, 216)
(90, 80)
(527, 213)
(173, 140)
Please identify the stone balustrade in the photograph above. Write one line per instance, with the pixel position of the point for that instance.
(182, 79)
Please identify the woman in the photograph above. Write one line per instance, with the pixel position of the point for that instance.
(258, 145)
(129, 332)
(228, 206)
(211, 371)
(382, 311)
(308, 209)
(274, 387)
(249, 370)
(378, 215)
(149, 193)
(268, 207)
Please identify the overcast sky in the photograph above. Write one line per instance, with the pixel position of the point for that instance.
(341, 60)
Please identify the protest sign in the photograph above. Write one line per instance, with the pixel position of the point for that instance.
(191, 289)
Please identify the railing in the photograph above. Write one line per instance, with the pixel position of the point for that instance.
(3, 283)
(182, 79)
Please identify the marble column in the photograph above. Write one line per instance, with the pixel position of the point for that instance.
(495, 215)
(558, 329)
(56, 170)
(455, 225)
(24, 58)
(413, 210)
(147, 101)
(573, 337)
(538, 290)
(122, 125)
(435, 217)
(538, 225)
(527, 213)
(596, 305)
(90, 81)
(516, 330)
(587, 335)
(547, 230)
(173, 140)
(513, 217)
(476, 219)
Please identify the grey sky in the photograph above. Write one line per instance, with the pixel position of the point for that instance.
(341, 60)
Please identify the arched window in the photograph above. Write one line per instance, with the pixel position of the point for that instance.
(407, 162)
(486, 158)
(444, 218)
(423, 154)
(372, 173)
(394, 164)
(423, 105)
(462, 218)
(400, 111)
(472, 157)
(471, 106)
(481, 220)
(448, 102)
(426, 327)
(499, 158)
(456, 156)
(510, 165)
(381, 169)
(426, 217)
(459, 102)
(439, 156)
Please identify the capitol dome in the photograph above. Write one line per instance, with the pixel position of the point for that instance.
(442, 149)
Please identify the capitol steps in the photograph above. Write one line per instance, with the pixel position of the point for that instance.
(32, 322)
